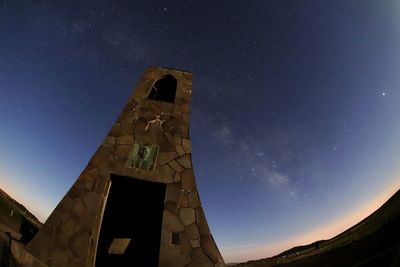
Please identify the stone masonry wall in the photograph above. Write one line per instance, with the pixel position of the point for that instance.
(69, 236)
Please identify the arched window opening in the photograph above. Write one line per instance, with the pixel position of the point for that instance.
(164, 89)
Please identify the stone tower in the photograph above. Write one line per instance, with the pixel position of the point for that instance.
(136, 203)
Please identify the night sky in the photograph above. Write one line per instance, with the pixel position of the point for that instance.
(295, 115)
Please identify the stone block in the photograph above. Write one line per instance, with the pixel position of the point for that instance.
(201, 221)
(100, 156)
(188, 182)
(184, 243)
(194, 200)
(70, 227)
(127, 127)
(172, 207)
(173, 191)
(144, 137)
(175, 166)
(195, 243)
(140, 124)
(183, 200)
(208, 245)
(59, 258)
(79, 244)
(164, 174)
(193, 231)
(179, 149)
(78, 209)
(177, 178)
(187, 216)
(177, 139)
(172, 222)
(122, 152)
(109, 141)
(165, 157)
(165, 144)
(172, 256)
(186, 145)
(201, 261)
(185, 161)
(115, 130)
(125, 140)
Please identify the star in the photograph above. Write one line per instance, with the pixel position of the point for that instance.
(384, 94)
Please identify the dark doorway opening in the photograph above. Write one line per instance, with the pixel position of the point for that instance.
(164, 89)
(130, 232)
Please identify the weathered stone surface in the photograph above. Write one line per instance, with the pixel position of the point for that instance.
(185, 108)
(194, 200)
(100, 156)
(195, 243)
(165, 157)
(91, 201)
(54, 220)
(125, 140)
(201, 261)
(208, 245)
(185, 161)
(164, 174)
(41, 245)
(165, 144)
(70, 227)
(179, 149)
(172, 256)
(175, 166)
(184, 129)
(88, 183)
(146, 137)
(172, 222)
(201, 221)
(75, 192)
(187, 216)
(173, 191)
(78, 208)
(115, 130)
(122, 152)
(61, 239)
(75, 263)
(171, 206)
(177, 139)
(185, 118)
(177, 177)
(188, 182)
(184, 243)
(183, 200)
(59, 258)
(109, 141)
(127, 128)
(196, 252)
(192, 231)
(140, 124)
(79, 244)
(186, 145)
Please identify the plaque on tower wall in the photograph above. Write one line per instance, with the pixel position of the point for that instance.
(142, 156)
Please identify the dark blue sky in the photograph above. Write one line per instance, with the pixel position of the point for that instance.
(295, 108)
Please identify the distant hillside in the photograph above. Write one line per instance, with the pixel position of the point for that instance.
(12, 203)
(375, 240)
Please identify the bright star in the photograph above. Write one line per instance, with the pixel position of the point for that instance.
(384, 94)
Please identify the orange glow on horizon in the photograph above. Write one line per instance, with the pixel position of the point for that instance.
(32, 204)
(259, 251)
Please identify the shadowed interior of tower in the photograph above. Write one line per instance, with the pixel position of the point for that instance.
(164, 89)
(131, 228)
